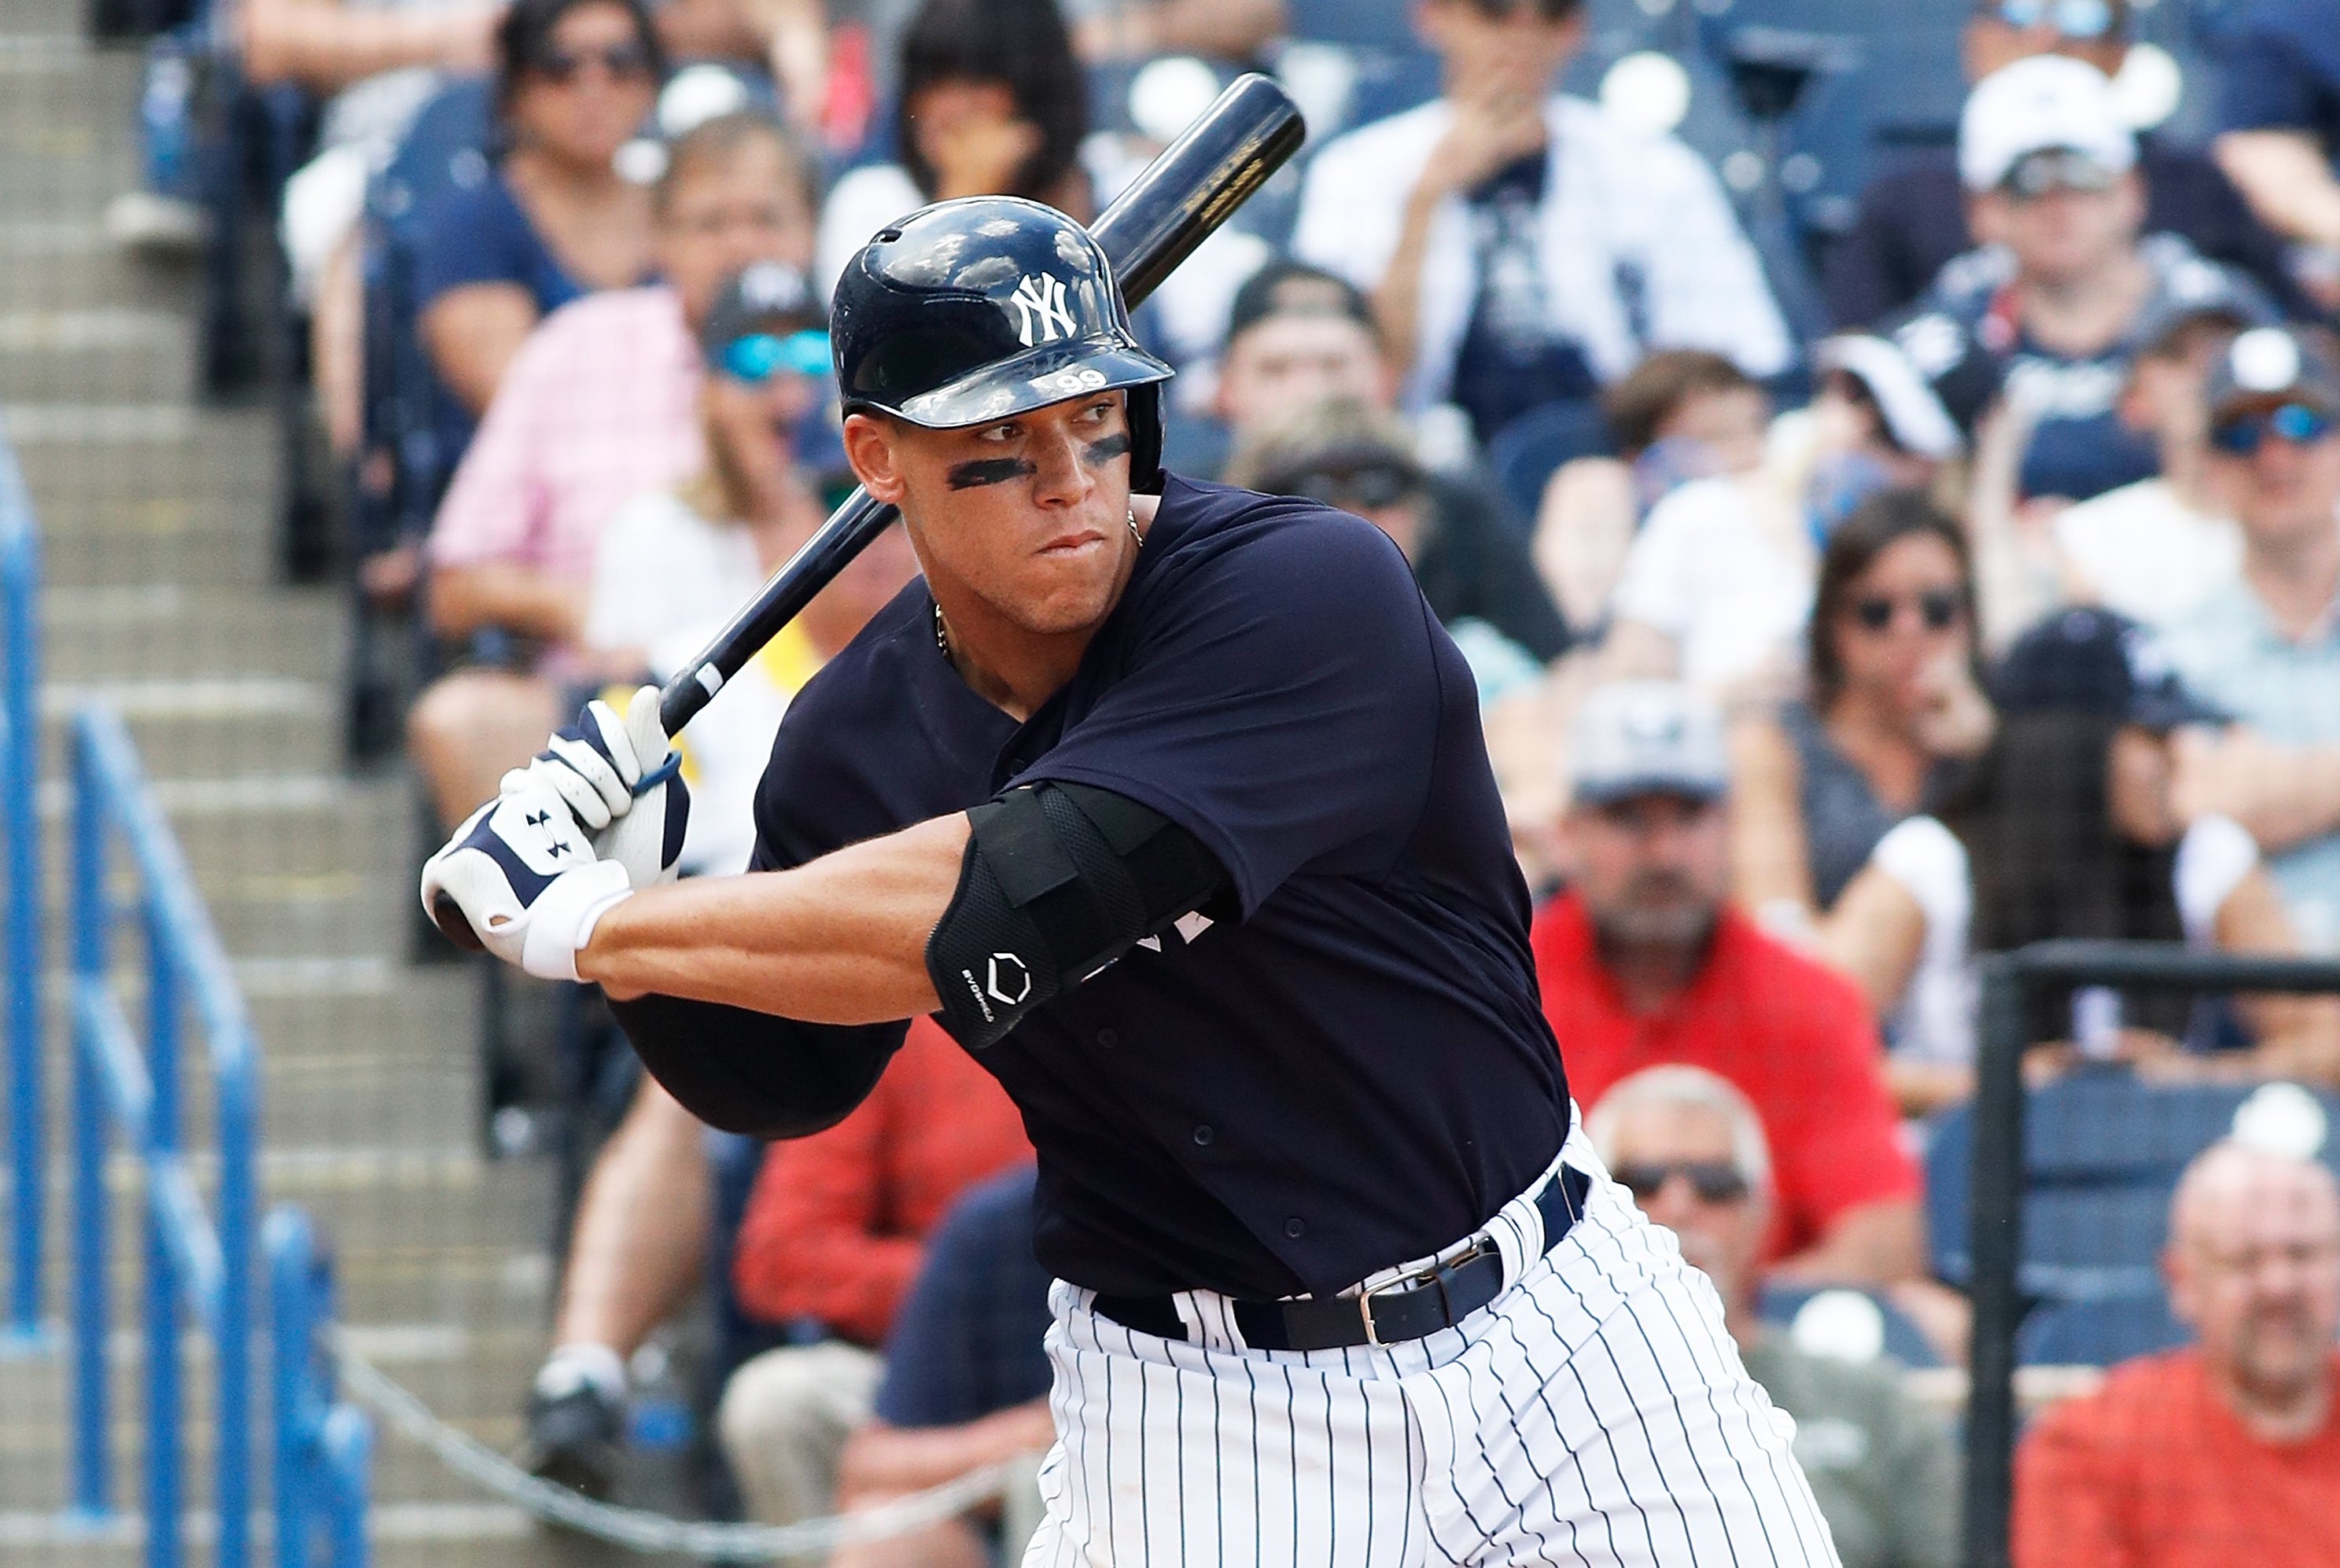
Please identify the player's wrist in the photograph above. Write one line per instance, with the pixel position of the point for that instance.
(564, 917)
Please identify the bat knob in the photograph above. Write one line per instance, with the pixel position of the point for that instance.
(448, 916)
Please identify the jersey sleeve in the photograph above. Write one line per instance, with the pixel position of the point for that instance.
(2268, 84)
(1282, 705)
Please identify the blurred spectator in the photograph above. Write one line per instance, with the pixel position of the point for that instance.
(2055, 299)
(1473, 570)
(674, 563)
(1296, 336)
(1692, 1150)
(2068, 828)
(637, 1245)
(992, 103)
(1643, 962)
(552, 217)
(2280, 119)
(966, 1384)
(1136, 29)
(1497, 227)
(1717, 586)
(1913, 215)
(2153, 550)
(598, 405)
(2228, 1451)
(1682, 414)
(1892, 703)
(834, 1233)
(2266, 646)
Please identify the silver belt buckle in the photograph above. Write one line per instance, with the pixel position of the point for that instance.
(1403, 1282)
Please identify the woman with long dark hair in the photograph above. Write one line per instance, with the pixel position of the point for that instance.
(992, 101)
(550, 218)
(1892, 705)
(2066, 827)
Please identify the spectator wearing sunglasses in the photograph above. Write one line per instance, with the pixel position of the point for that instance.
(1474, 571)
(1643, 962)
(1496, 228)
(1913, 216)
(600, 405)
(1891, 707)
(551, 218)
(2266, 646)
(2279, 125)
(2069, 826)
(2055, 300)
(1883, 1468)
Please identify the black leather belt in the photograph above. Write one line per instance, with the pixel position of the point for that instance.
(1408, 1308)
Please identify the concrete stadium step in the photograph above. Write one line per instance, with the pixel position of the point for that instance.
(116, 631)
(102, 353)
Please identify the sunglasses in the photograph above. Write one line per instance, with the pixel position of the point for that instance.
(1367, 488)
(2243, 435)
(1713, 1180)
(1938, 609)
(2072, 18)
(2045, 173)
(624, 61)
(755, 358)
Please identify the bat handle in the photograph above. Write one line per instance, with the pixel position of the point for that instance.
(448, 916)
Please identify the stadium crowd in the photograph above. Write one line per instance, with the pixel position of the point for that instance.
(1814, 664)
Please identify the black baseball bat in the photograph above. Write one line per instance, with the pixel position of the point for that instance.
(1173, 205)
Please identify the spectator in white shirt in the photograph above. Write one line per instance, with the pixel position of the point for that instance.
(1521, 248)
(2154, 549)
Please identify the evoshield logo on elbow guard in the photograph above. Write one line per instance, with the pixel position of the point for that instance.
(1011, 980)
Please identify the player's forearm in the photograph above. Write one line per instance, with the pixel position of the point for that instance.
(839, 941)
(2286, 180)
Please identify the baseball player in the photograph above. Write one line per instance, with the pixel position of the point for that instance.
(1169, 800)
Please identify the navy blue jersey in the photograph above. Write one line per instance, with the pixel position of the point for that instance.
(1350, 1071)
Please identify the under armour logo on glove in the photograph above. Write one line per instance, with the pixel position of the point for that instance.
(1041, 314)
(525, 878)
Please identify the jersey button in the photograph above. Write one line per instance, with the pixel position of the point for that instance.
(1295, 1227)
(1108, 1038)
(1202, 1135)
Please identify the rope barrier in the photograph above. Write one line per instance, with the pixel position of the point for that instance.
(640, 1529)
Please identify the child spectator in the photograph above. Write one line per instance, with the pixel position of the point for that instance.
(1494, 229)
(552, 217)
(2068, 827)
(600, 405)
(834, 1233)
(1892, 705)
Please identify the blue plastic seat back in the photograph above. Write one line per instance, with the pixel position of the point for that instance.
(1778, 1302)
(2098, 1333)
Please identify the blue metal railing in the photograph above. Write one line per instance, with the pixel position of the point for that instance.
(20, 913)
(196, 1266)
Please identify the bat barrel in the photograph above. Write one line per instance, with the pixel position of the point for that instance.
(1185, 193)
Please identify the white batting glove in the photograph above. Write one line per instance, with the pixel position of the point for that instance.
(619, 778)
(520, 872)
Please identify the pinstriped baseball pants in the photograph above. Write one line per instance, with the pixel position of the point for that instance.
(1595, 1413)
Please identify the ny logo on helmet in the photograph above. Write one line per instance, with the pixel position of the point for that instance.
(1041, 314)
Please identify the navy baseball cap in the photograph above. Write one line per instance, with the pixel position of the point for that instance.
(1648, 738)
(2093, 661)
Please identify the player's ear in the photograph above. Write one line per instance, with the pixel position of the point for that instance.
(870, 450)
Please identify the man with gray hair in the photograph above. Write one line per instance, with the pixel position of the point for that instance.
(1692, 1150)
(2228, 1450)
(1643, 961)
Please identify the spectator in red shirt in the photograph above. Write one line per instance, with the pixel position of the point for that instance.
(834, 1234)
(1642, 962)
(2228, 1451)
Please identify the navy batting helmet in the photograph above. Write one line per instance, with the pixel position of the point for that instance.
(988, 307)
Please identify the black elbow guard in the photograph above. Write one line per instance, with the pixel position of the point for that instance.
(1059, 881)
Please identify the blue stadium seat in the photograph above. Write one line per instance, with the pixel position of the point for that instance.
(1778, 1303)
(2098, 1333)
(2102, 1151)
(1524, 454)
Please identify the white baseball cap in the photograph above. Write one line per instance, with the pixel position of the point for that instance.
(1913, 410)
(2047, 102)
(1648, 738)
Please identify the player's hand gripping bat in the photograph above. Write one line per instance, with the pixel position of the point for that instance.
(1176, 202)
